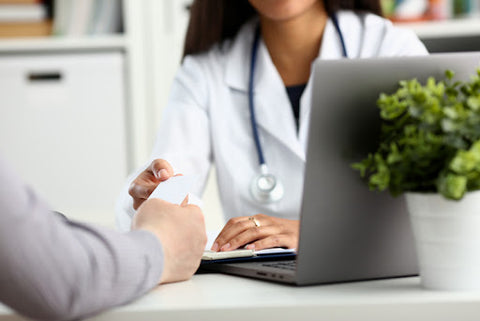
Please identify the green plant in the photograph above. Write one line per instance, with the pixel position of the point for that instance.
(430, 139)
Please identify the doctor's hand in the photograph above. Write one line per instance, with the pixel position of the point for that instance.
(181, 231)
(145, 183)
(257, 232)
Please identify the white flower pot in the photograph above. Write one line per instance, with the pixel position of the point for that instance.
(447, 236)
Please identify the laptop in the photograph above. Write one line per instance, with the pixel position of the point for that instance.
(348, 233)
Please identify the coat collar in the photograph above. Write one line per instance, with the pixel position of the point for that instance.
(238, 57)
(272, 105)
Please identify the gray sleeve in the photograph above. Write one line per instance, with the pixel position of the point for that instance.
(55, 269)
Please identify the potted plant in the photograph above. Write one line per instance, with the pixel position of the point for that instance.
(429, 150)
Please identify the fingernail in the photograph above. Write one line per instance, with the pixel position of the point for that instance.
(251, 246)
(214, 247)
(162, 174)
(225, 247)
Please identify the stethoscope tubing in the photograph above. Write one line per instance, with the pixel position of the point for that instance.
(261, 158)
(253, 120)
(334, 18)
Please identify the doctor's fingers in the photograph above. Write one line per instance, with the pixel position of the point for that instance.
(233, 227)
(289, 241)
(246, 221)
(251, 235)
(140, 191)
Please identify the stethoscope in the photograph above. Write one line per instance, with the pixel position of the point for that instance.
(266, 187)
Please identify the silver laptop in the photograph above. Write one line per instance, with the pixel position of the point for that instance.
(348, 233)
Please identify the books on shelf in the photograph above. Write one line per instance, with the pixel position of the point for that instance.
(33, 18)
(26, 29)
(23, 12)
(19, 1)
(87, 17)
(421, 10)
(24, 18)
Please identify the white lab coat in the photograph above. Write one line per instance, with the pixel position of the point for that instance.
(207, 116)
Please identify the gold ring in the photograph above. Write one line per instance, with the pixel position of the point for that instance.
(251, 218)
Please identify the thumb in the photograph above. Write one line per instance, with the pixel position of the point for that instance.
(162, 174)
(161, 169)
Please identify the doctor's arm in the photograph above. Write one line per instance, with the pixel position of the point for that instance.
(55, 269)
(182, 145)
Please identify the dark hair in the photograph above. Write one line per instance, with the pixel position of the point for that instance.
(212, 21)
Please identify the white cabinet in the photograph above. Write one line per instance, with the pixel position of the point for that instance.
(89, 115)
(63, 127)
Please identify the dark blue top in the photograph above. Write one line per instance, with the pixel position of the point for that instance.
(294, 94)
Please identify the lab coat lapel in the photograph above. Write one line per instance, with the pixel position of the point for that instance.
(330, 48)
(272, 106)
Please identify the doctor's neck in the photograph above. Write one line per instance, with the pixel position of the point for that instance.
(294, 43)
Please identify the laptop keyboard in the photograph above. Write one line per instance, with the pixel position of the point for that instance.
(284, 265)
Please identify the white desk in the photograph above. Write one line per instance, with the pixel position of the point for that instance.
(219, 297)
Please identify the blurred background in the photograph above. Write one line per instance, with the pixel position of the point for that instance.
(83, 84)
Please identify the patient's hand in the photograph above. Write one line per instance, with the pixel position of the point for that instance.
(181, 231)
(145, 183)
(257, 232)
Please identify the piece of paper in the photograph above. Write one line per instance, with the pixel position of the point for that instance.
(211, 255)
(175, 189)
(275, 250)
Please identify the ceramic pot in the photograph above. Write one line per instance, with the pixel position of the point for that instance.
(447, 235)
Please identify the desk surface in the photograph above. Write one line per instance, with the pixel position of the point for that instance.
(217, 297)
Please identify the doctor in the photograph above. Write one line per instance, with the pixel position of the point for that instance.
(241, 99)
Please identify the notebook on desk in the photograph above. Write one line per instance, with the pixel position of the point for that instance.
(211, 257)
(348, 233)
(242, 254)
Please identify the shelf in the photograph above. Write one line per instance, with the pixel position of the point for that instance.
(467, 27)
(111, 42)
(425, 30)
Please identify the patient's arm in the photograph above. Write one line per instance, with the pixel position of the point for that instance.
(55, 269)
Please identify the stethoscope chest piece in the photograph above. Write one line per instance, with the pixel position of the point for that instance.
(266, 188)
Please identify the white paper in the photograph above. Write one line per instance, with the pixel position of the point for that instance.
(275, 250)
(175, 189)
(210, 255)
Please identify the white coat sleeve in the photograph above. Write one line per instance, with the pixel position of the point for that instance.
(184, 135)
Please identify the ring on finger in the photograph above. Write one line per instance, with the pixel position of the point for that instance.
(251, 218)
